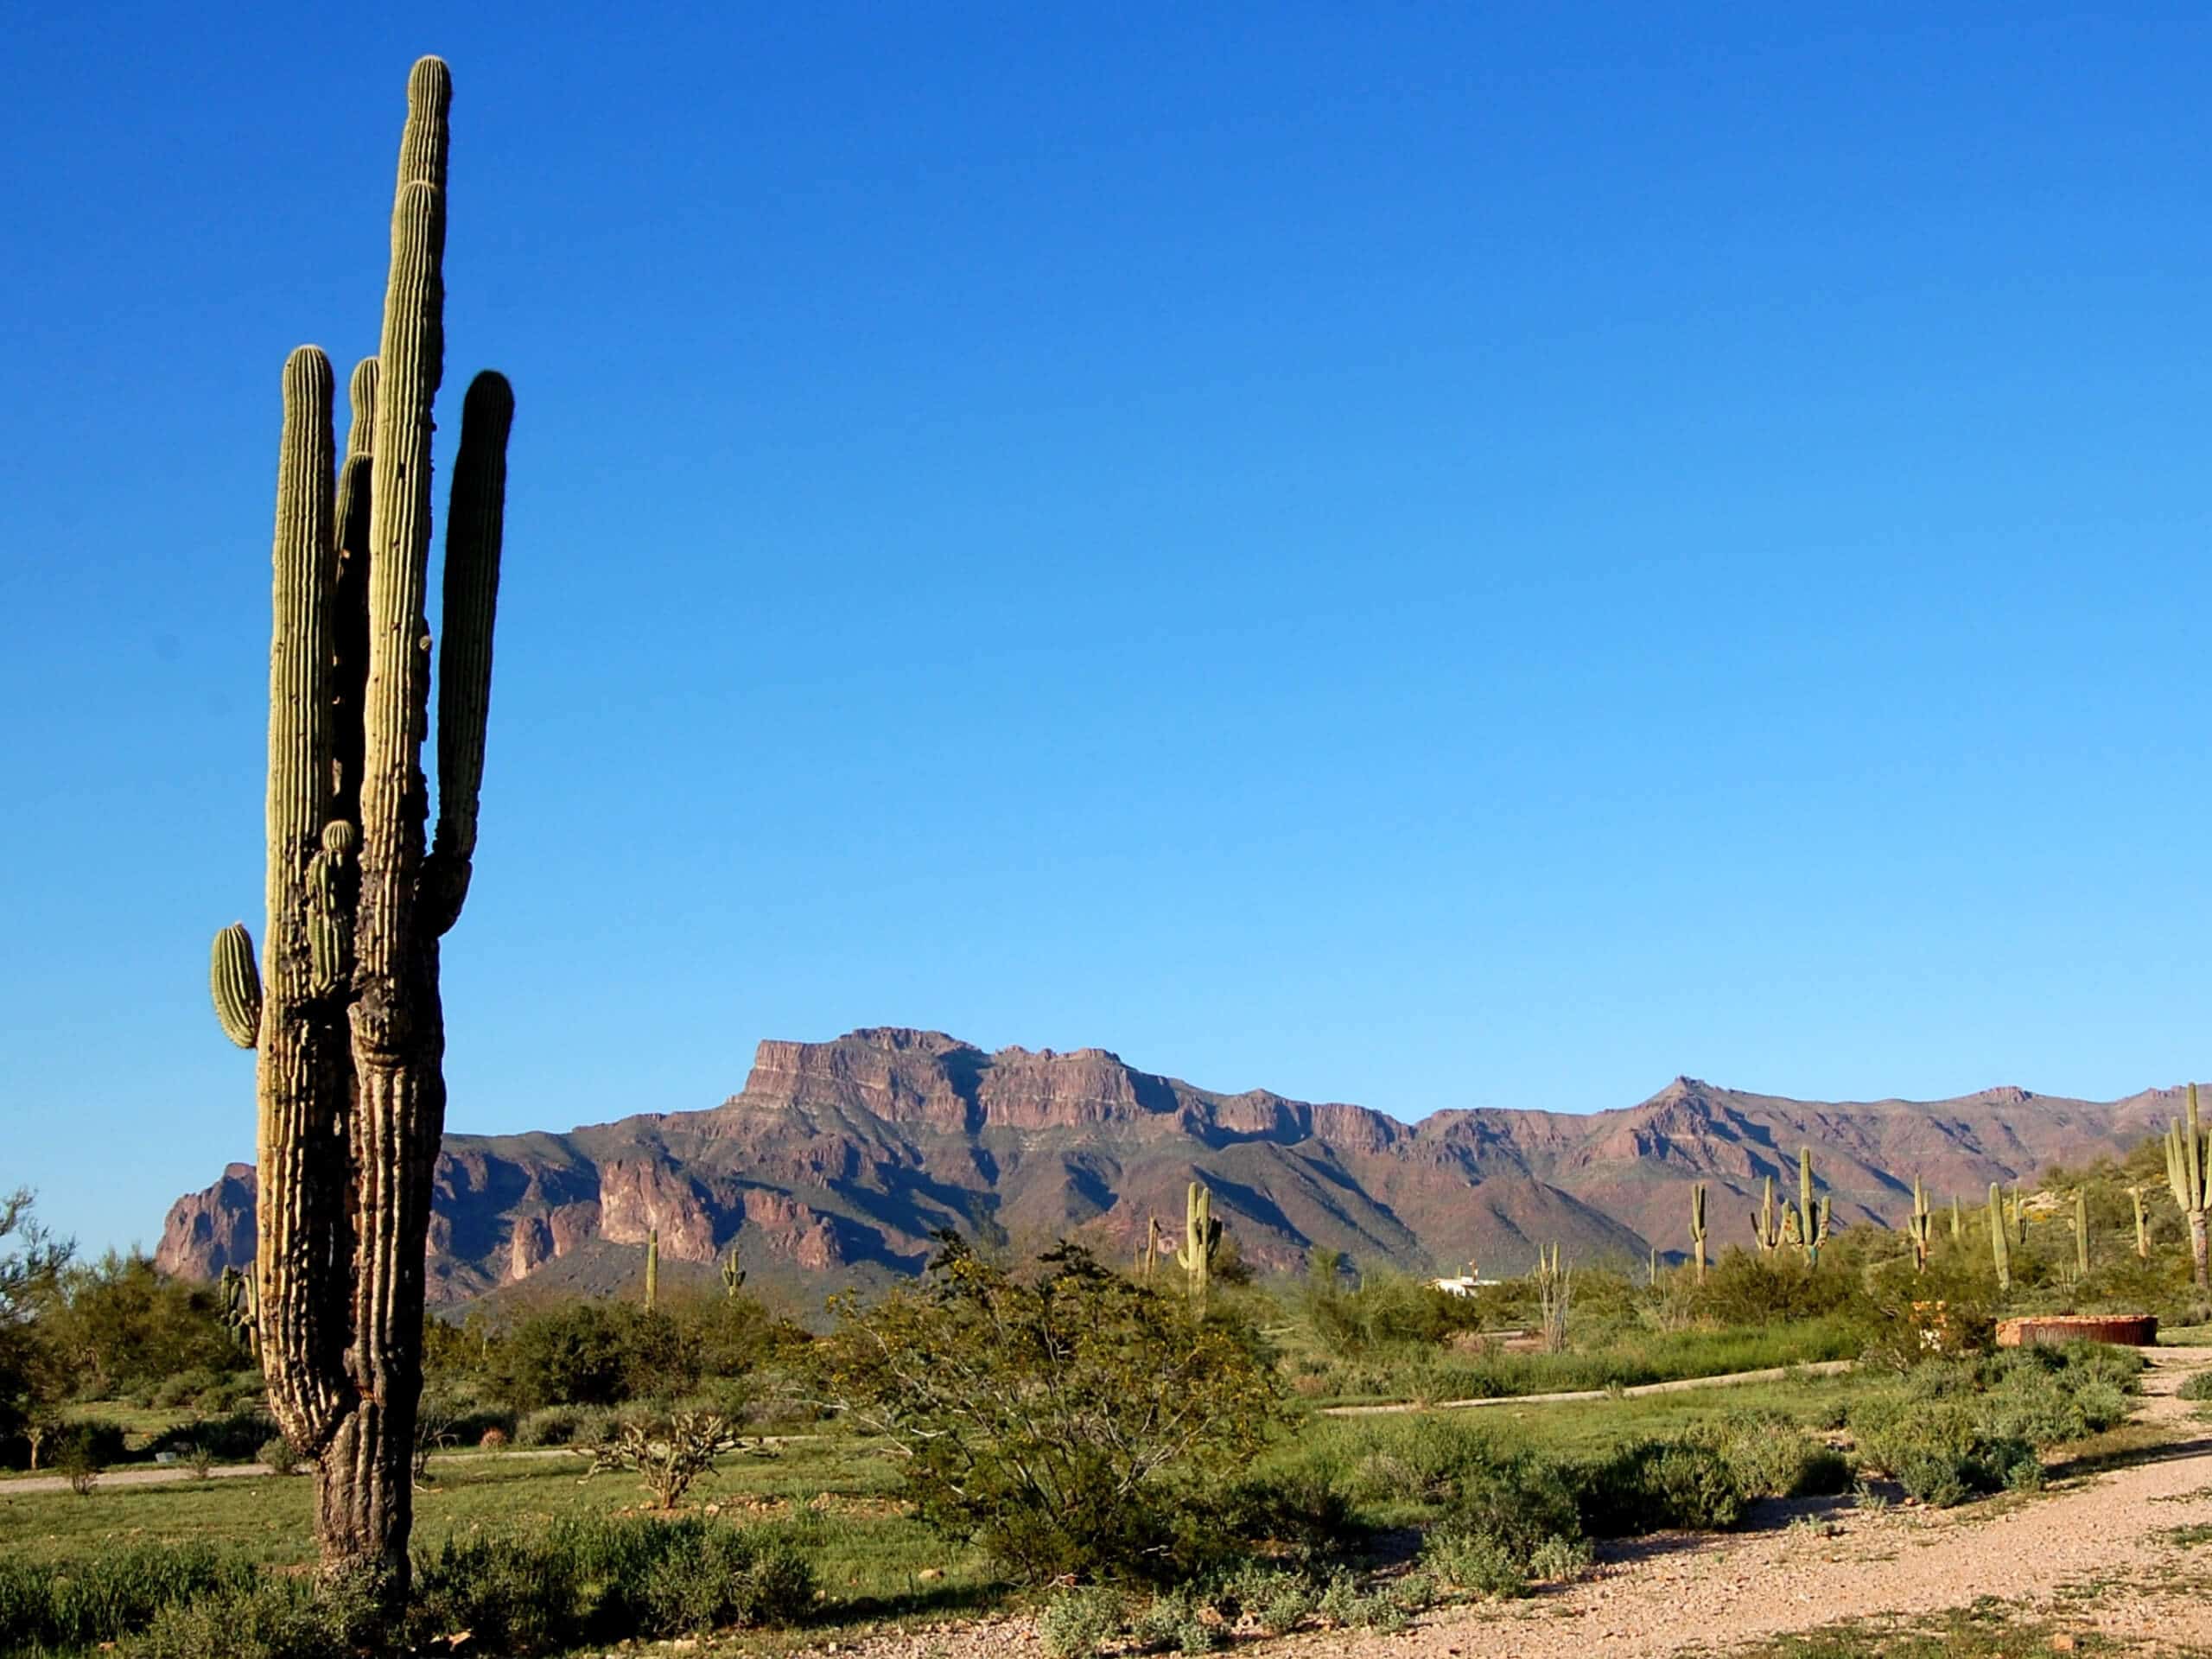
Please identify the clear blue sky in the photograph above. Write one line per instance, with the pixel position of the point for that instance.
(1434, 555)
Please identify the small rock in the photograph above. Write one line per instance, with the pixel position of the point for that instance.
(929, 1572)
(2061, 1645)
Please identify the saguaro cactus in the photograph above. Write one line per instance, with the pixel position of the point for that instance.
(652, 1267)
(2082, 1230)
(2142, 1225)
(733, 1276)
(1201, 1238)
(1958, 1220)
(2188, 1170)
(345, 1009)
(2000, 1244)
(1697, 1228)
(1766, 1228)
(1812, 1214)
(1922, 1227)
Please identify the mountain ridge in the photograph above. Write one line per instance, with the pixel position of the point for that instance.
(837, 1160)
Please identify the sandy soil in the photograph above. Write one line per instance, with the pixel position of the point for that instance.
(2089, 1553)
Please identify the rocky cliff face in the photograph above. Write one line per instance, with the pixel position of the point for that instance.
(839, 1159)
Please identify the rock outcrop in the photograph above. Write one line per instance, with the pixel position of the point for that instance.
(839, 1160)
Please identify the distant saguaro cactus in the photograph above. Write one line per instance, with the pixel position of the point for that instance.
(1697, 1228)
(1766, 1228)
(1202, 1241)
(733, 1276)
(345, 1009)
(2142, 1225)
(1812, 1214)
(1958, 1220)
(2082, 1230)
(2188, 1171)
(1920, 1227)
(2000, 1245)
(653, 1268)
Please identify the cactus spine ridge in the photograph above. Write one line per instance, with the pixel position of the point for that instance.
(733, 1275)
(1922, 1226)
(1697, 1228)
(652, 1267)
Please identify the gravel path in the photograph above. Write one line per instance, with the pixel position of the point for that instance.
(2089, 1551)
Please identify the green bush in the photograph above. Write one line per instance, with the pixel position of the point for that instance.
(564, 1426)
(1176, 1619)
(715, 1578)
(270, 1619)
(508, 1595)
(1648, 1486)
(276, 1454)
(1475, 1562)
(92, 1441)
(2197, 1386)
(234, 1438)
(108, 1595)
(1076, 1623)
(1066, 1424)
(184, 1388)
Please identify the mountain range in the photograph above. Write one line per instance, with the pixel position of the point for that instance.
(837, 1161)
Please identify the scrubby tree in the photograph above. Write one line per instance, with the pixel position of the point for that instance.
(1064, 1422)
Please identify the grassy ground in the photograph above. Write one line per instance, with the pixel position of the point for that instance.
(1986, 1630)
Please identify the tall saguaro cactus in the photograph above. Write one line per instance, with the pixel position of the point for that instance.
(653, 1268)
(2142, 1225)
(348, 1025)
(1922, 1227)
(2188, 1171)
(1766, 1230)
(1812, 1214)
(2081, 1231)
(1697, 1228)
(2000, 1242)
(1201, 1238)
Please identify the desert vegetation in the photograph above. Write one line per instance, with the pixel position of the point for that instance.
(1146, 1459)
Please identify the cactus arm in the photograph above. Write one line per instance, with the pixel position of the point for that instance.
(234, 983)
(475, 523)
(302, 1296)
(350, 600)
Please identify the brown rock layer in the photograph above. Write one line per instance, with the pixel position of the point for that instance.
(841, 1158)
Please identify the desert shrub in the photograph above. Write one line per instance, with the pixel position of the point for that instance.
(234, 1438)
(564, 1426)
(1275, 1599)
(1475, 1562)
(1060, 1423)
(715, 1578)
(103, 1597)
(88, 1439)
(507, 1595)
(1176, 1619)
(267, 1619)
(184, 1388)
(669, 1454)
(1076, 1623)
(1744, 1288)
(276, 1454)
(1648, 1485)
(1388, 1607)
(1769, 1456)
(2197, 1386)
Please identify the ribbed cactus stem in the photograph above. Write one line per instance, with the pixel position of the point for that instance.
(2142, 1225)
(235, 984)
(1922, 1226)
(1958, 1220)
(1697, 1228)
(2082, 1230)
(1201, 1238)
(2188, 1161)
(653, 1268)
(2000, 1239)
(733, 1275)
(1812, 1214)
(1151, 1245)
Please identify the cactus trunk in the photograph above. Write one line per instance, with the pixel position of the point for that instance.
(1202, 1239)
(347, 1020)
(2082, 1230)
(1697, 1228)
(2188, 1167)
(653, 1268)
(2142, 1225)
(2000, 1239)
